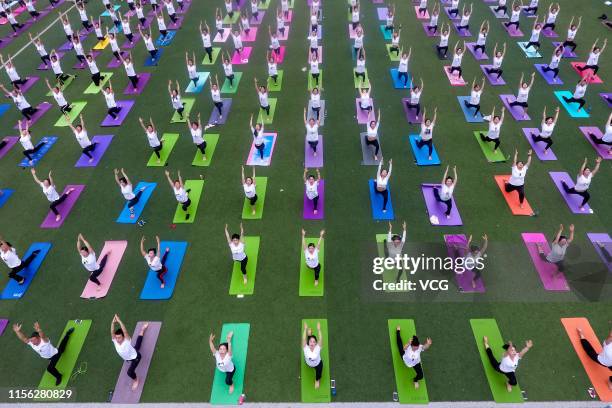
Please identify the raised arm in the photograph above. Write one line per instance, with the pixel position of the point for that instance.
(320, 337)
(33, 171)
(445, 175)
(596, 169)
(571, 237)
(142, 248)
(227, 235)
(320, 239)
(169, 179)
(19, 333)
(528, 345)
(529, 156)
(89, 248)
(559, 232)
(303, 240)
(211, 344)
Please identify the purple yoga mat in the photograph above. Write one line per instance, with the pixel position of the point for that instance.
(77, 65)
(382, 12)
(114, 62)
(308, 211)
(429, 32)
(362, 115)
(127, 46)
(125, 109)
(42, 109)
(64, 208)
(310, 160)
(549, 33)
(567, 53)
(517, 112)
(548, 75)
(464, 32)
(437, 209)
(607, 97)
(549, 275)
(143, 80)
(123, 393)
(103, 141)
(259, 19)
(538, 147)
(177, 25)
(29, 83)
(214, 115)
(10, 142)
(493, 80)
(573, 201)
(3, 324)
(603, 238)
(411, 113)
(601, 149)
(513, 31)
(455, 245)
(478, 55)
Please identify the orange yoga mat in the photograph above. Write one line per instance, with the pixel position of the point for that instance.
(597, 373)
(512, 197)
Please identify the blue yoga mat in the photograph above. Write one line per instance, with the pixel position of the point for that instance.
(469, 112)
(386, 34)
(36, 157)
(376, 202)
(151, 289)
(13, 290)
(149, 61)
(202, 77)
(107, 14)
(124, 217)
(6, 194)
(572, 109)
(530, 52)
(164, 41)
(268, 143)
(4, 107)
(421, 156)
(397, 83)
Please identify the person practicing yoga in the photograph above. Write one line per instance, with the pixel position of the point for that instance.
(123, 345)
(96, 76)
(79, 51)
(196, 128)
(414, 102)
(127, 190)
(257, 133)
(410, 354)
(498, 59)
(140, 15)
(509, 362)
(219, 23)
(606, 139)
(237, 34)
(9, 256)
(315, 102)
(25, 139)
(274, 42)
(360, 69)
(371, 136)
(21, 103)
(237, 248)
(534, 39)
(223, 357)
(215, 94)
(365, 102)
(169, 4)
(457, 58)
(394, 246)
(604, 358)
(358, 41)
(161, 23)
(312, 132)
(42, 345)
(501, 7)
(68, 31)
(583, 181)
(262, 94)
(56, 67)
(311, 255)
(280, 23)
(314, 72)
(473, 255)
(422, 10)
(228, 69)
(515, 16)
(80, 133)
(426, 134)
(453, 9)
(551, 16)
(312, 189)
(395, 42)
(89, 260)
(152, 137)
(355, 17)
(156, 264)
(558, 248)
(548, 125)
(442, 47)
(181, 195)
(517, 179)
(579, 92)
(114, 45)
(474, 101)
(389, 18)
(128, 65)
(111, 104)
(255, 9)
(175, 98)
(250, 189)
(97, 28)
(432, 26)
(495, 123)
(483, 33)
(313, 40)
(522, 95)
(12, 73)
(444, 194)
(59, 97)
(147, 39)
(553, 65)
(126, 29)
(593, 60)
(464, 23)
(272, 68)
(41, 50)
(49, 190)
(572, 30)
(382, 182)
(245, 23)
(12, 20)
(314, 21)
(206, 41)
(311, 347)
(402, 69)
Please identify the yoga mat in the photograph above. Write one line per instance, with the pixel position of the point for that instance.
(214, 115)
(376, 202)
(14, 290)
(64, 208)
(107, 14)
(264, 118)
(530, 52)
(497, 381)
(573, 201)
(468, 113)
(546, 270)
(512, 197)
(29, 83)
(436, 210)
(257, 20)
(453, 79)
(310, 160)
(429, 32)
(307, 286)
(502, 15)
(202, 77)
(114, 250)
(6, 194)
(308, 207)
(10, 142)
(549, 33)
(226, 88)
(102, 143)
(315, 84)
(602, 238)
(397, 84)
(421, 156)
(188, 105)
(231, 20)
(517, 112)
(251, 36)
(592, 80)
(243, 58)
(285, 36)
(261, 184)
(150, 62)
(307, 374)
(478, 54)
(165, 40)
(572, 109)
(100, 45)
(410, 113)
(215, 54)
(601, 149)
(455, 244)
(276, 87)
(3, 324)
(464, 32)
(310, 114)
(219, 394)
(385, 33)
(36, 157)
(92, 89)
(538, 147)
(237, 286)
(393, 56)
(280, 57)
(450, 17)
(177, 25)
(42, 107)
(420, 16)
(368, 151)
(152, 289)
(196, 187)
(362, 115)
(70, 356)
(124, 216)
(83, 65)
(77, 108)
(125, 106)
(127, 45)
(513, 31)
(548, 75)
(607, 97)
(114, 62)
(168, 141)
(254, 157)
(123, 393)
(63, 87)
(222, 38)
(567, 53)
(382, 12)
(359, 83)
(143, 80)
(3, 108)
(211, 144)
(404, 375)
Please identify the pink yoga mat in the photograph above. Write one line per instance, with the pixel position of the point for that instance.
(285, 36)
(308, 209)
(478, 55)
(42, 109)
(310, 160)
(281, 55)
(222, 38)
(242, 59)
(10, 142)
(102, 143)
(455, 245)
(420, 16)
(114, 250)
(493, 80)
(436, 209)
(453, 79)
(573, 201)
(252, 36)
(538, 147)
(546, 270)
(593, 80)
(604, 239)
(362, 115)
(125, 109)
(517, 112)
(411, 113)
(601, 149)
(3, 324)
(143, 80)
(64, 208)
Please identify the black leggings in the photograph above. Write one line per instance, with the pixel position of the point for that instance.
(134, 81)
(440, 49)
(55, 359)
(486, 138)
(472, 105)
(267, 109)
(534, 44)
(28, 153)
(260, 148)
(514, 103)
(570, 43)
(61, 78)
(400, 347)
(243, 265)
(360, 74)
(497, 71)
(313, 145)
(590, 351)
(185, 205)
(158, 149)
(533, 10)
(219, 106)
(415, 106)
(547, 68)
(572, 190)
(131, 372)
(230, 78)
(87, 150)
(315, 202)
(153, 54)
(229, 377)
(65, 109)
(512, 23)
(480, 47)
(594, 68)
(520, 189)
(209, 52)
(495, 364)
(599, 141)
(458, 69)
(432, 28)
(449, 202)
(549, 25)
(500, 8)
(112, 112)
(57, 202)
(45, 59)
(13, 274)
(547, 140)
(317, 271)
(384, 193)
(202, 147)
(252, 200)
(162, 272)
(374, 143)
(93, 276)
(420, 143)
(28, 112)
(316, 78)
(132, 203)
(318, 371)
(579, 101)
(96, 78)
(316, 110)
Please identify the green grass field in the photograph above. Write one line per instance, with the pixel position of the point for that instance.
(360, 359)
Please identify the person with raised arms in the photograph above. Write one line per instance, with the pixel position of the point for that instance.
(237, 248)
(25, 139)
(483, 33)
(175, 98)
(517, 179)
(311, 255)
(59, 97)
(394, 246)
(457, 59)
(495, 124)
(534, 39)
(9, 256)
(195, 128)
(147, 39)
(312, 132)
(21, 103)
(114, 45)
(89, 260)
(262, 93)
(272, 68)
(315, 102)
(411, 354)
(49, 190)
(41, 50)
(547, 127)
(382, 182)
(111, 104)
(250, 189)
(56, 67)
(395, 42)
(593, 60)
(80, 133)
(432, 26)
(181, 195)
(606, 139)
(426, 135)
(223, 358)
(215, 94)
(522, 96)
(402, 69)
(156, 264)
(311, 348)
(152, 138)
(206, 41)
(509, 362)
(551, 16)
(474, 101)
(572, 30)
(127, 190)
(442, 47)
(583, 181)
(371, 136)
(444, 194)
(128, 65)
(123, 345)
(555, 60)
(312, 188)
(258, 138)
(473, 253)
(579, 92)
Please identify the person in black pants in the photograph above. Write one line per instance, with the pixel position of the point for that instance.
(155, 264)
(602, 358)
(9, 255)
(311, 349)
(223, 358)
(123, 345)
(509, 361)
(411, 354)
(88, 259)
(42, 345)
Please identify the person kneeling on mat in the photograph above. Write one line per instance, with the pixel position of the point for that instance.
(411, 354)
(312, 188)
(237, 248)
(445, 193)
(394, 245)
(223, 358)
(311, 255)
(123, 345)
(151, 256)
(12, 260)
(557, 250)
(509, 362)
(311, 347)
(88, 258)
(604, 358)
(181, 195)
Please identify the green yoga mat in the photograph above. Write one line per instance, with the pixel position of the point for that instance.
(276, 87)
(92, 89)
(168, 141)
(307, 374)
(231, 20)
(196, 187)
(219, 394)
(264, 5)
(211, 145)
(67, 82)
(393, 56)
(226, 88)
(497, 381)
(77, 108)
(307, 287)
(237, 286)
(389, 275)
(215, 54)
(359, 83)
(404, 375)
(188, 104)
(69, 358)
(312, 83)
(487, 149)
(261, 184)
(267, 119)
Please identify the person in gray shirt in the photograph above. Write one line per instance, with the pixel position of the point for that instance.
(557, 249)
(394, 244)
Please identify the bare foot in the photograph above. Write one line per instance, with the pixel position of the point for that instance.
(253, 211)
(316, 283)
(508, 387)
(135, 384)
(144, 328)
(58, 217)
(163, 285)
(231, 389)
(70, 190)
(485, 341)
(244, 279)
(580, 333)
(315, 211)
(317, 384)
(416, 385)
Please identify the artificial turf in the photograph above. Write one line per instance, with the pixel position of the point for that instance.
(182, 368)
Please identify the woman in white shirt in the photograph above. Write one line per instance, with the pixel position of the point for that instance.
(311, 348)
(215, 94)
(360, 67)
(250, 189)
(495, 124)
(509, 362)
(414, 102)
(237, 40)
(532, 8)
(432, 26)
(127, 30)
(25, 139)
(402, 68)
(49, 190)
(411, 354)
(314, 72)
(59, 97)
(547, 127)
(371, 136)
(156, 264)
(553, 65)
(534, 39)
(522, 95)
(312, 188)
(175, 98)
(311, 255)
(457, 59)
(464, 23)
(498, 58)
(483, 33)
(196, 129)
(149, 44)
(606, 139)
(395, 42)
(355, 17)
(442, 47)
(40, 48)
(315, 101)
(245, 23)
(517, 179)
(111, 104)
(551, 17)
(20, 102)
(444, 194)
(128, 65)
(140, 14)
(96, 76)
(127, 190)
(579, 92)
(382, 182)
(11, 71)
(280, 23)
(426, 135)
(604, 358)
(453, 9)
(262, 94)
(473, 258)
(9, 256)
(474, 101)
(583, 182)
(572, 30)
(152, 138)
(228, 69)
(191, 69)
(257, 135)
(170, 10)
(206, 41)
(80, 133)
(272, 68)
(15, 25)
(593, 60)
(312, 132)
(223, 358)
(123, 345)
(161, 23)
(358, 40)
(237, 248)
(515, 16)
(180, 193)
(89, 260)
(501, 6)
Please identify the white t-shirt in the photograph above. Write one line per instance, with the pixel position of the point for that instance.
(89, 262)
(444, 39)
(26, 141)
(372, 132)
(571, 34)
(605, 357)
(482, 38)
(196, 135)
(180, 194)
(312, 357)
(415, 96)
(109, 97)
(263, 98)
(593, 58)
(358, 41)
(82, 138)
(125, 350)
(249, 190)
(93, 67)
(583, 182)
(206, 40)
(315, 100)
(475, 97)
(554, 61)
(127, 191)
(580, 91)
(552, 17)
(129, 69)
(44, 349)
(535, 34)
(216, 95)
(403, 65)
(312, 132)
(312, 190)
(547, 129)
(154, 263)
(225, 363)
(457, 60)
(59, 98)
(177, 103)
(494, 129)
(152, 138)
(314, 66)
(507, 365)
(412, 357)
(161, 24)
(446, 192)
(10, 258)
(518, 176)
(228, 69)
(238, 253)
(50, 192)
(523, 94)
(426, 131)
(312, 258)
(497, 62)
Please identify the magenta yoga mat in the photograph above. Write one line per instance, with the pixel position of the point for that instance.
(64, 208)
(455, 245)
(551, 278)
(308, 209)
(538, 147)
(29, 83)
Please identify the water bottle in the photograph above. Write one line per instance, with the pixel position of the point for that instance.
(395, 396)
(110, 396)
(333, 388)
(241, 399)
